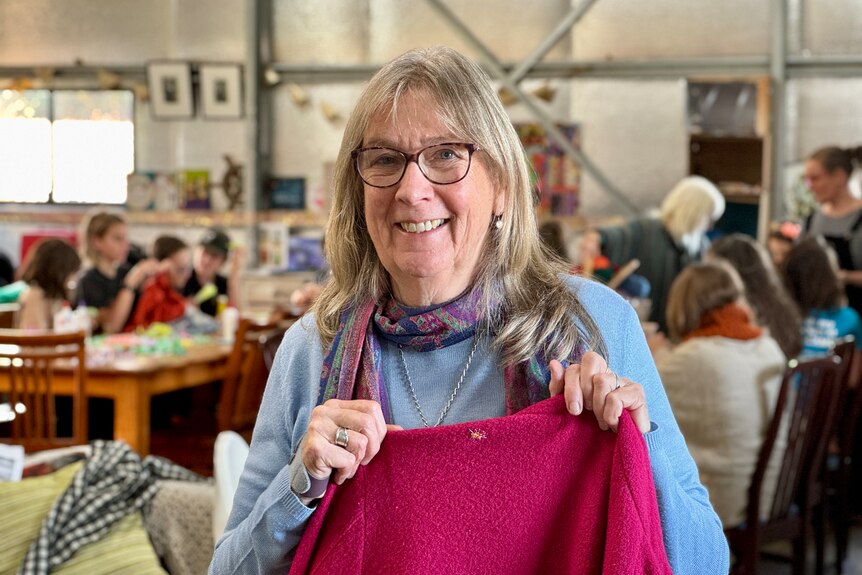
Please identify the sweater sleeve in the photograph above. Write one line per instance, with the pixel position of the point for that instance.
(693, 535)
(267, 520)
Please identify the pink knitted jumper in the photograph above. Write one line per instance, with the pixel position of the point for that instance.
(537, 492)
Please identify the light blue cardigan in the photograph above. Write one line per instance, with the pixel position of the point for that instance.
(267, 519)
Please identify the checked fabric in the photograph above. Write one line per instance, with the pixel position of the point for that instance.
(113, 483)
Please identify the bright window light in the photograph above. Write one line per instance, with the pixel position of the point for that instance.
(94, 145)
(83, 155)
(92, 160)
(25, 160)
(25, 145)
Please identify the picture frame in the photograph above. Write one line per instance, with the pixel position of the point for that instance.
(170, 87)
(221, 93)
(285, 194)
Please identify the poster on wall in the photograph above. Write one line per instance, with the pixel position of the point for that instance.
(285, 194)
(221, 91)
(556, 176)
(141, 191)
(305, 248)
(167, 192)
(150, 190)
(194, 189)
(272, 246)
(170, 90)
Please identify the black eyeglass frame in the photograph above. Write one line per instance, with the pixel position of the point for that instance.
(414, 157)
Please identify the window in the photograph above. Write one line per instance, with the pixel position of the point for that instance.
(66, 146)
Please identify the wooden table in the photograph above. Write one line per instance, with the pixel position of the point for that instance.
(132, 382)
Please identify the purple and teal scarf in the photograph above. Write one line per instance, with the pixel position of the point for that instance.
(352, 367)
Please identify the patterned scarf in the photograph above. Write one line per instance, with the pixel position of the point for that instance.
(730, 320)
(352, 367)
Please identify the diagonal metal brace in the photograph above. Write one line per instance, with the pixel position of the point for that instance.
(551, 40)
(544, 119)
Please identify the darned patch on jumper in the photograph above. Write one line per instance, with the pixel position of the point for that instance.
(478, 434)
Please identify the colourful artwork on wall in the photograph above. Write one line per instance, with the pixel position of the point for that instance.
(556, 176)
(194, 189)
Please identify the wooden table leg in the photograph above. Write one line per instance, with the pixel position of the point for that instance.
(132, 416)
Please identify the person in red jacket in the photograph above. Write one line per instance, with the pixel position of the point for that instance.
(161, 299)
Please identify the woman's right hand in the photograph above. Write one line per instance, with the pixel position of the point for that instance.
(366, 429)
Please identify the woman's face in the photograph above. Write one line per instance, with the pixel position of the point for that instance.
(114, 245)
(824, 185)
(438, 264)
(180, 268)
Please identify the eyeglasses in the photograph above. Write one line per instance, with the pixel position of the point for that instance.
(381, 167)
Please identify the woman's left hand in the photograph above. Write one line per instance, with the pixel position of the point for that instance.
(590, 385)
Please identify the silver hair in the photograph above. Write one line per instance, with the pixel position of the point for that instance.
(691, 202)
(537, 309)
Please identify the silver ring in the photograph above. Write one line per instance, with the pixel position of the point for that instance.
(341, 437)
(617, 381)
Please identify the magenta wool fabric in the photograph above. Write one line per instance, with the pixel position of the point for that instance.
(539, 491)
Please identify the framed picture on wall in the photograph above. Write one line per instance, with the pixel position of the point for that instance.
(170, 85)
(221, 90)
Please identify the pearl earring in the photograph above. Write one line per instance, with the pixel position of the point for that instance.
(498, 223)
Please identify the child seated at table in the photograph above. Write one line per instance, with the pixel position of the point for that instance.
(210, 255)
(811, 275)
(48, 274)
(109, 284)
(161, 299)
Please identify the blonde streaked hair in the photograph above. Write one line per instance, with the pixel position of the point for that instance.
(537, 311)
(96, 224)
(700, 288)
(689, 204)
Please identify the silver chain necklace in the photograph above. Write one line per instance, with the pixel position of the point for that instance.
(446, 407)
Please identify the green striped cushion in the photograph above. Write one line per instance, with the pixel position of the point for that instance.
(24, 504)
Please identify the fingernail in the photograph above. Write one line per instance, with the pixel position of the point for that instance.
(575, 407)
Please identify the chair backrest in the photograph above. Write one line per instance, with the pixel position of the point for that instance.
(805, 411)
(850, 404)
(245, 380)
(8, 315)
(269, 342)
(28, 362)
(229, 456)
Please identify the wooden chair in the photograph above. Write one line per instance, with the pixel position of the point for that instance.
(243, 385)
(8, 314)
(191, 442)
(29, 360)
(804, 410)
(269, 342)
(840, 456)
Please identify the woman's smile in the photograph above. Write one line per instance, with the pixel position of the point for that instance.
(422, 226)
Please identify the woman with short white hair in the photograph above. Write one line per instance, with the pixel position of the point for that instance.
(666, 242)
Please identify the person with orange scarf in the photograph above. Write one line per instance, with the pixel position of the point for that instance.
(722, 381)
(161, 299)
